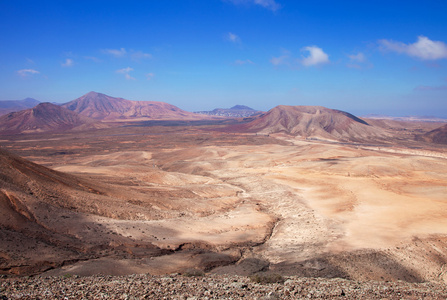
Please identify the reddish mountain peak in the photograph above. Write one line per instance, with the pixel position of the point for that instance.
(103, 107)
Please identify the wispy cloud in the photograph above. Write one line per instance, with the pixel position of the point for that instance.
(92, 58)
(359, 57)
(68, 63)
(115, 52)
(243, 62)
(139, 55)
(424, 48)
(431, 88)
(149, 76)
(27, 72)
(232, 37)
(281, 60)
(358, 61)
(125, 72)
(268, 4)
(316, 56)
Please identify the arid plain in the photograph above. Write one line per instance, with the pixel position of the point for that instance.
(164, 199)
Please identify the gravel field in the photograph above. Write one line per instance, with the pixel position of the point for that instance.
(211, 287)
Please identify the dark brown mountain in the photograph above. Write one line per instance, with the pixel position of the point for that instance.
(102, 107)
(45, 117)
(8, 106)
(313, 122)
(438, 136)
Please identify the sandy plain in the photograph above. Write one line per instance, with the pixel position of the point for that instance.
(240, 203)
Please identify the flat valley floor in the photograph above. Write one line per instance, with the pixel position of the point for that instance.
(239, 204)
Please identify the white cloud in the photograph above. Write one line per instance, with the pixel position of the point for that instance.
(316, 56)
(243, 62)
(268, 4)
(126, 72)
(26, 72)
(68, 63)
(139, 55)
(149, 76)
(115, 52)
(424, 48)
(232, 37)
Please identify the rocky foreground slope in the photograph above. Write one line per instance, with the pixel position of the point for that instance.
(212, 287)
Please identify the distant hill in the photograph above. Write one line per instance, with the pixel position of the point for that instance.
(45, 117)
(8, 106)
(408, 118)
(437, 136)
(313, 122)
(237, 111)
(102, 107)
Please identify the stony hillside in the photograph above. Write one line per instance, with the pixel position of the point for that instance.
(195, 286)
(313, 122)
(438, 135)
(46, 218)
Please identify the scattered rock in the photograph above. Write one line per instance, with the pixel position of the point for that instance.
(210, 287)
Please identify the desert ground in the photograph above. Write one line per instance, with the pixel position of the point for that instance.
(175, 198)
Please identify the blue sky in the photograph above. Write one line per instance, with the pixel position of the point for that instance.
(381, 57)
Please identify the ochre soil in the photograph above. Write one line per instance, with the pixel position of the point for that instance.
(167, 199)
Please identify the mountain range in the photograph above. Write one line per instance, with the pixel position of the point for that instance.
(96, 110)
(92, 110)
(102, 107)
(237, 111)
(8, 106)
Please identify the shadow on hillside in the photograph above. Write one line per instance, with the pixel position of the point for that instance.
(361, 265)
